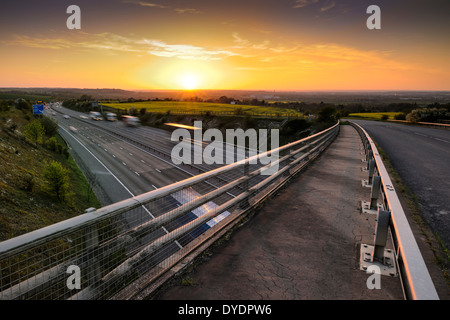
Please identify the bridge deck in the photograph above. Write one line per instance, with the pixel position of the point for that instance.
(303, 244)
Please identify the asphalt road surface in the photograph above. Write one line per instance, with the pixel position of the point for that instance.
(421, 156)
(121, 169)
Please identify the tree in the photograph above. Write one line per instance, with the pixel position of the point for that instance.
(132, 111)
(23, 105)
(327, 114)
(57, 178)
(50, 126)
(34, 131)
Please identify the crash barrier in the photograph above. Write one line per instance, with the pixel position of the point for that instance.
(406, 258)
(117, 251)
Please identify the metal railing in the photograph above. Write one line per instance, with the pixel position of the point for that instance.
(118, 250)
(415, 278)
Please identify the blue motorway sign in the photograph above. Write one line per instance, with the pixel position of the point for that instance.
(38, 109)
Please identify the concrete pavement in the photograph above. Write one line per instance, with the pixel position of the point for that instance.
(302, 244)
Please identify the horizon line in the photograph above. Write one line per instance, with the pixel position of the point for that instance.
(255, 90)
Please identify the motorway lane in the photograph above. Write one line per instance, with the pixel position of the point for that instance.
(421, 156)
(138, 170)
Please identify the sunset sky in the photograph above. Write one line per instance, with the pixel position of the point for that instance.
(226, 44)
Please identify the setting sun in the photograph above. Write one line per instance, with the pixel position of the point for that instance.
(189, 82)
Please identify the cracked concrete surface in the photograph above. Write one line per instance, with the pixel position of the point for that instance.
(303, 244)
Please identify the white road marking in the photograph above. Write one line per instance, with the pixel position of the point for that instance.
(441, 140)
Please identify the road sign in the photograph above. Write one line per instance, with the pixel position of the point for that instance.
(38, 109)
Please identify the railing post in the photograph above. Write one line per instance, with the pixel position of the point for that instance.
(375, 192)
(381, 235)
(369, 157)
(371, 170)
(377, 255)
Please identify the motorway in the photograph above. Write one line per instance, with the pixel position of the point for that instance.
(122, 169)
(421, 156)
(120, 165)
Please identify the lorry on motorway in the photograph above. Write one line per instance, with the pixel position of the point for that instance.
(95, 115)
(111, 116)
(130, 121)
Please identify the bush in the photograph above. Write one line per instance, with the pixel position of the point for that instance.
(50, 126)
(132, 111)
(295, 126)
(327, 114)
(65, 152)
(25, 179)
(34, 131)
(51, 144)
(414, 116)
(57, 179)
(24, 105)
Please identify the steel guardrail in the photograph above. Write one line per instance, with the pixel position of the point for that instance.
(113, 246)
(416, 280)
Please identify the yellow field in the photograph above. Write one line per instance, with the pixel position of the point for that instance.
(374, 115)
(199, 107)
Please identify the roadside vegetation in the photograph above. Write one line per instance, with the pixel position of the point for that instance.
(40, 184)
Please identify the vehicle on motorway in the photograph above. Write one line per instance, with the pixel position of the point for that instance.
(111, 116)
(66, 116)
(130, 121)
(73, 129)
(95, 115)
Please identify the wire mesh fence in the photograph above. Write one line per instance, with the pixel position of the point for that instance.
(103, 252)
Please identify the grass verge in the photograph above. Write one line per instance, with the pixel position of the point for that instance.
(25, 201)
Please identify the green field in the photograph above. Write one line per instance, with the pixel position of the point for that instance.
(201, 107)
(374, 115)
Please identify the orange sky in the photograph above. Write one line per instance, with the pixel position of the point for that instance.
(253, 44)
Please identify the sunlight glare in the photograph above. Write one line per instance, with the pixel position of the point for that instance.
(189, 82)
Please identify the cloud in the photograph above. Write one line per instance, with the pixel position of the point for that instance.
(187, 10)
(162, 49)
(145, 4)
(303, 3)
(110, 43)
(328, 7)
(246, 44)
(105, 41)
(159, 6)
(317, 56)
(264, 54)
